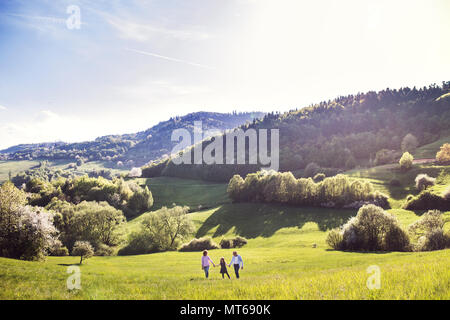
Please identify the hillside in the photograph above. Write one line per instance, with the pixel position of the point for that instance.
(281, 261)
(132, 149)
(341, 134)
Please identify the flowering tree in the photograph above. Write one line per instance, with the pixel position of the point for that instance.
(82, 249)
(135, 173)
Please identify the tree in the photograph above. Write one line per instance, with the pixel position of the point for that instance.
(409, 143)
(96, 222)
(135, 173)
(25, 232)
(141, 200)
(234, 187)
(406, 161)
(424, 181)
(167, 226)
(443, 155)
(82, 249)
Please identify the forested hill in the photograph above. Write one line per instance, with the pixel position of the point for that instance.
(134, 149)
(361, 129)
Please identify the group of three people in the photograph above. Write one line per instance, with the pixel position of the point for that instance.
(236, 261)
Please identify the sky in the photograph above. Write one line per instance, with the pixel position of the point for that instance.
(134, 63)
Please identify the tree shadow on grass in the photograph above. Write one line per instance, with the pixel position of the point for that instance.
(252, 220)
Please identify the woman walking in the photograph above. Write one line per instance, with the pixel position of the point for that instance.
(205, 263)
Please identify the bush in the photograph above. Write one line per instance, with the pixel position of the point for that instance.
(337, 191)
(427, 200)
(28, 233)
(319, 177)
(135, 173)
(424, 181)
(311, 170)
(82, 249)
(57, 249)
(433, 240)
(141, 200)
(429, 232)
(139, 243)
(237, 242)
(160, 231)
(372, 229)
(443, 155)
(446, 194)
(406, 161)
(104, 250)
(335, 239)
(201, 244)
(395, 183)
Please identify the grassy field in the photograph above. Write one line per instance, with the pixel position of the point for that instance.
(15, 167)
(286, 256)
(430, 150)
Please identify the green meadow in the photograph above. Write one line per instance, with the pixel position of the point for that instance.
(286, 256)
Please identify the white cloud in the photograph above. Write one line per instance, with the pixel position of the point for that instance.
(2, 107)
(47, 126)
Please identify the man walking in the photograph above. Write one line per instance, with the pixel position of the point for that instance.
(237, 262)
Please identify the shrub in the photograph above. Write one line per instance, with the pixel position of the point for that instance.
(424, 181)
(335, 239)
(160, 231)
(135, 173)
(429, 221)
(443, 155)
(104, 250)
(139, 243)
(406, 161)
(311, 170)
(82, 249)
(57, 249)
(319, 177)
(141, 200)
(373, 229)
(427, 200)
(395, 183)
(428, 231)
(336, 191)
(433, 240)
(237, 242)
(446, 194)
(200, 244)
(27, 233)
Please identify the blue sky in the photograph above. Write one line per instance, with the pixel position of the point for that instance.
(135, 63)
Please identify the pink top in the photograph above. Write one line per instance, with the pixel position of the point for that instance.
(205, 261)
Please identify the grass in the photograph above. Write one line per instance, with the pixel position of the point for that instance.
(429, 151)
(195, 194)
(286, 256)
(14, 167)
(381, 176)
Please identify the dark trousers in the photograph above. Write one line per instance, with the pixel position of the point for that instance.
(236, 270)
(225, 273)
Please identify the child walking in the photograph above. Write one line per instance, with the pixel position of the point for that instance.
(223, 268)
